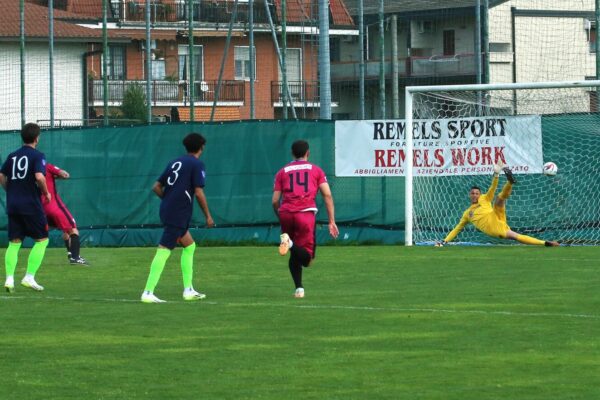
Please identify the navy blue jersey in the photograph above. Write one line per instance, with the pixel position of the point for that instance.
(22, 192)
(180, 179)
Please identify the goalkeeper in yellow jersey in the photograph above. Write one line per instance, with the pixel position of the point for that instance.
(491, 218)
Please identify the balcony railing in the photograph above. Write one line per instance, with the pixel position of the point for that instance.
(435, 66)
(58, 4)
(170, 93)
(300, 92)
(177, 11)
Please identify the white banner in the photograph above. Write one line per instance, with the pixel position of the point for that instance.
(442, 147)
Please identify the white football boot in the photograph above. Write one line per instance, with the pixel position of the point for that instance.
(149, 297)
(29, 282)
(192, 295)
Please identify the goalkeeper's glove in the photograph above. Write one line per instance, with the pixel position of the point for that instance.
(498, 168)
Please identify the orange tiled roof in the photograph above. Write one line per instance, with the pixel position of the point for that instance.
(86, 7)
(298, 11)
(36, 23)
(203, 113)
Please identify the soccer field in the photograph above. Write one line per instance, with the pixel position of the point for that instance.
(377, 323)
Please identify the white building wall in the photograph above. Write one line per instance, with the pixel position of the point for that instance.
(68, 83)
(547, 48)
(432, 43)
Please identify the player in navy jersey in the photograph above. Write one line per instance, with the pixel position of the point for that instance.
(182, 180)
(22, 176)
(294, 192)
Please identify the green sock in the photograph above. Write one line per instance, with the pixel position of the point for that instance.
(11, 257)
(187, 265)
(36, 256)
(156, 268)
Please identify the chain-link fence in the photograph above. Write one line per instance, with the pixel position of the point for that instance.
(90, 62)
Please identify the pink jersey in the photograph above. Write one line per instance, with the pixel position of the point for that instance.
(51, 172)
(299, 183)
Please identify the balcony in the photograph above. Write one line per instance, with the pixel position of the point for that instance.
(435, 66)
(178, 11)
(58, 4)
(302, 93)
(167, 93)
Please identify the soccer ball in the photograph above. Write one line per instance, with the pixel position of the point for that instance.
(550, 169)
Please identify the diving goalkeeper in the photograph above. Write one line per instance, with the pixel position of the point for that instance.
(491, 219)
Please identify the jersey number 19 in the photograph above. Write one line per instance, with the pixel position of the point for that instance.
(19, 168)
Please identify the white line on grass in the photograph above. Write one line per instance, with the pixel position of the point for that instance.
(325, 307)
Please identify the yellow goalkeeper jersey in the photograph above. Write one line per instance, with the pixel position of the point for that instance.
(484, 216)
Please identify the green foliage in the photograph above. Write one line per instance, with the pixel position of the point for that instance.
(377, 323)
(134, 103)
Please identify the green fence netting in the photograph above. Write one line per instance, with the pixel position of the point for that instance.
(112, 171)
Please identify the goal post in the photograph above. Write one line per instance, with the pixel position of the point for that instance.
(459, 132)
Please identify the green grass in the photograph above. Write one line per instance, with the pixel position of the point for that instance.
(378, 322)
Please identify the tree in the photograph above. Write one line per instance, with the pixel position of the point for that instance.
(134, 103)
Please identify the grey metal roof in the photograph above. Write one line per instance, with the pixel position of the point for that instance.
(412, 6)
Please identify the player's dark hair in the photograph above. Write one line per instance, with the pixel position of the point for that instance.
(30, 132)
(194, 142)
(299, 148)
(475, 187)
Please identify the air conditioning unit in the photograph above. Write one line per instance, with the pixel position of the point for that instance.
(426, 26)
(588, 24)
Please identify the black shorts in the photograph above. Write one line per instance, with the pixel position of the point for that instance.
(20, 225)
(171, 235)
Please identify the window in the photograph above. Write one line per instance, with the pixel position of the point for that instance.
(592, 39)
(499, 47)
(241, 56)
(158, 70)
(335, 49)
(115, 62)
(116, 8)
(184, 65)
(293, 65)
(449, 49)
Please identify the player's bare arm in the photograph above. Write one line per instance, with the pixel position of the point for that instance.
(3, 181)
(62, 174)
(328, 199)
(158, 189)
(201, 199)
(41, 181)
(275, 201)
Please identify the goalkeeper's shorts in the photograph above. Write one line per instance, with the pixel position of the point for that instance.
(497, 229)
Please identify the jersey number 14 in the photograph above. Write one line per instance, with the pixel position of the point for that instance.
(298, 181)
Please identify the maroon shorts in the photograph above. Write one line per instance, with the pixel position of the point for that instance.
(59, 216)
(301, 228)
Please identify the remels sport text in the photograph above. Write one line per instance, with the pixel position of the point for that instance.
(456, 129)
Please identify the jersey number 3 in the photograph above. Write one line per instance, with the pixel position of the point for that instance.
(299, 181)
(174, 174)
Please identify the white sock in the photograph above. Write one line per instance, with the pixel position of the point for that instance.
(28, 276)
(291, 244)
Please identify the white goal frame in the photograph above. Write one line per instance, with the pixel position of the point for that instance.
(408, 109)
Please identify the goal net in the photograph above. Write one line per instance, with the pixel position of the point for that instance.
(459, 133)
